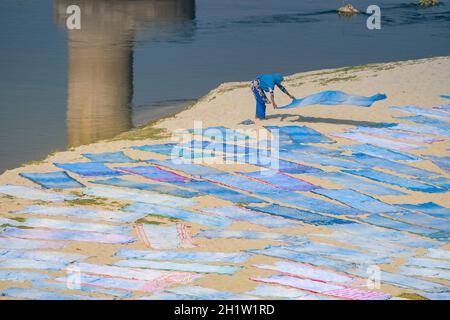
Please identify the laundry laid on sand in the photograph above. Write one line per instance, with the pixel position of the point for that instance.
(56, 180)
(308, 222)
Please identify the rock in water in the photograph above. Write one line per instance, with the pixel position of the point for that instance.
(348, 9)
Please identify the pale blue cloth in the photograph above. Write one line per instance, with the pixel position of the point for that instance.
(332, 98)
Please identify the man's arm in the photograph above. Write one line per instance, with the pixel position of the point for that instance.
(282, 88)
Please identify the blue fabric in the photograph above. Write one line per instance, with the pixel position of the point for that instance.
(300, 134)
(21, 276)
(404, 281)
(380, 152)
(445, 96)
(218, 191)
(196, 144)
(119, 182)
(233, 148)
(380, 142)
(268, 82)
(230, 257)
(313, 204)
(332, 97)
(172, 149)
(421, 219)
(165, 149)
(364, 231)
(280, 180)
(303, 257)
(191, 216)
(89, 169)
(397, 135)
(391, 165)
(381, 221)
(109, 157)
(356, 200)
(250, 234)
(350, 181)
(441, 162)
(34, 294)
(275, 163)
(423, 129)
(57, 180)
(429, 208)
(241, 183)
(241, 214)
(323, 160)
(297, 214)
(194, 170)
(305, 148)
(395, 180)
(334, 252)
(81, 213)
(139, 196)
(153, 173)
(442, 182)
(423, 112)
(190, 267)
(440, 124)
(40, 284)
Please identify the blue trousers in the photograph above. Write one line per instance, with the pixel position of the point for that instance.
(260, 104)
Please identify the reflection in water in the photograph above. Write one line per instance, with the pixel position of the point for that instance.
(100, 62)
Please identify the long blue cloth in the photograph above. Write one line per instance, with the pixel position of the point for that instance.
(332, 97)
(314, 259)
(423, 112)
(356, 200)
(352, 182)
(191, 216)
(194, 170)
(280, 180)
(57, 179)
(297, 214)
(391, 165)
(109, 157)
(305, 148)
(160, 188)
(420, 119)
(276, 164)
(442, 162)
(429, 208)
(217, 191)
(381, 221)
(395, 180)
(421, 219)
(299, 134)
(380, 152)
(445, 96)
(89, 169)
(322, 160)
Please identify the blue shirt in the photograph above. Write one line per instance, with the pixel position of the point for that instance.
(267, 82)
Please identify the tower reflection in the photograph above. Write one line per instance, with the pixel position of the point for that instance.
(100, 60)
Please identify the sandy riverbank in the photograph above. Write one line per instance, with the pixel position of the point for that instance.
(415, 82)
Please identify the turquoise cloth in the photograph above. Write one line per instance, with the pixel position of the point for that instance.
(334, 98)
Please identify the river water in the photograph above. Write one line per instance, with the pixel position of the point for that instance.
(136, 61)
